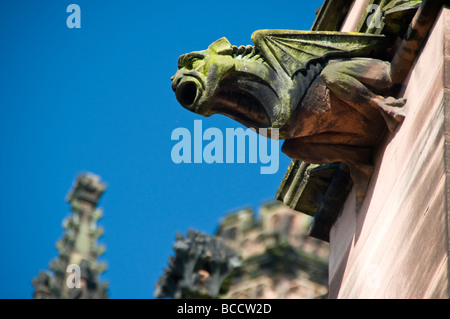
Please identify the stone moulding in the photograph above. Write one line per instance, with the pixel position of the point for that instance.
(304, 186)
(331, 15)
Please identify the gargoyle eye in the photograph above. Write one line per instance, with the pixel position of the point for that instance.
(187, 60)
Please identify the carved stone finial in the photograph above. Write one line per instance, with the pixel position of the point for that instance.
(198, 269)
(88, 188)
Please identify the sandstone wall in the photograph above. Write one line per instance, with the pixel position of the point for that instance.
(396, 246)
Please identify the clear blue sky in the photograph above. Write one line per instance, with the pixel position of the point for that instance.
(99, 99)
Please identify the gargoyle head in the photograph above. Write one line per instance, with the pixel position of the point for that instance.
(230, 80)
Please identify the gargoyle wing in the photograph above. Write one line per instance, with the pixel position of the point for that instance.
(291, 51)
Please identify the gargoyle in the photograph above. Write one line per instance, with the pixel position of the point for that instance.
(326, 92)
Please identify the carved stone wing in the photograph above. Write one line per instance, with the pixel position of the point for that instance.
(291, 51)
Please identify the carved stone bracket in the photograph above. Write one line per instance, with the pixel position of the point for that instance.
(316, 190)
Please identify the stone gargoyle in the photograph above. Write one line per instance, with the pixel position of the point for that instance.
(327, 93)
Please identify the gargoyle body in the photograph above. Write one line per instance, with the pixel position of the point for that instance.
(324, 92)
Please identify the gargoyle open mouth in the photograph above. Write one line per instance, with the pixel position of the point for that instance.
(242, 105)
(188, 91)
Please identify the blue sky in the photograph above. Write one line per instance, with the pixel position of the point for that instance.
(98, 99)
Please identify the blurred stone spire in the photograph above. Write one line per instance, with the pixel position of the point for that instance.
(76, 270)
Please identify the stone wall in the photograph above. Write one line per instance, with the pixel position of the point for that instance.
(396, 245)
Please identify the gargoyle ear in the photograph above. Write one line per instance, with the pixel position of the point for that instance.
(221, 46)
